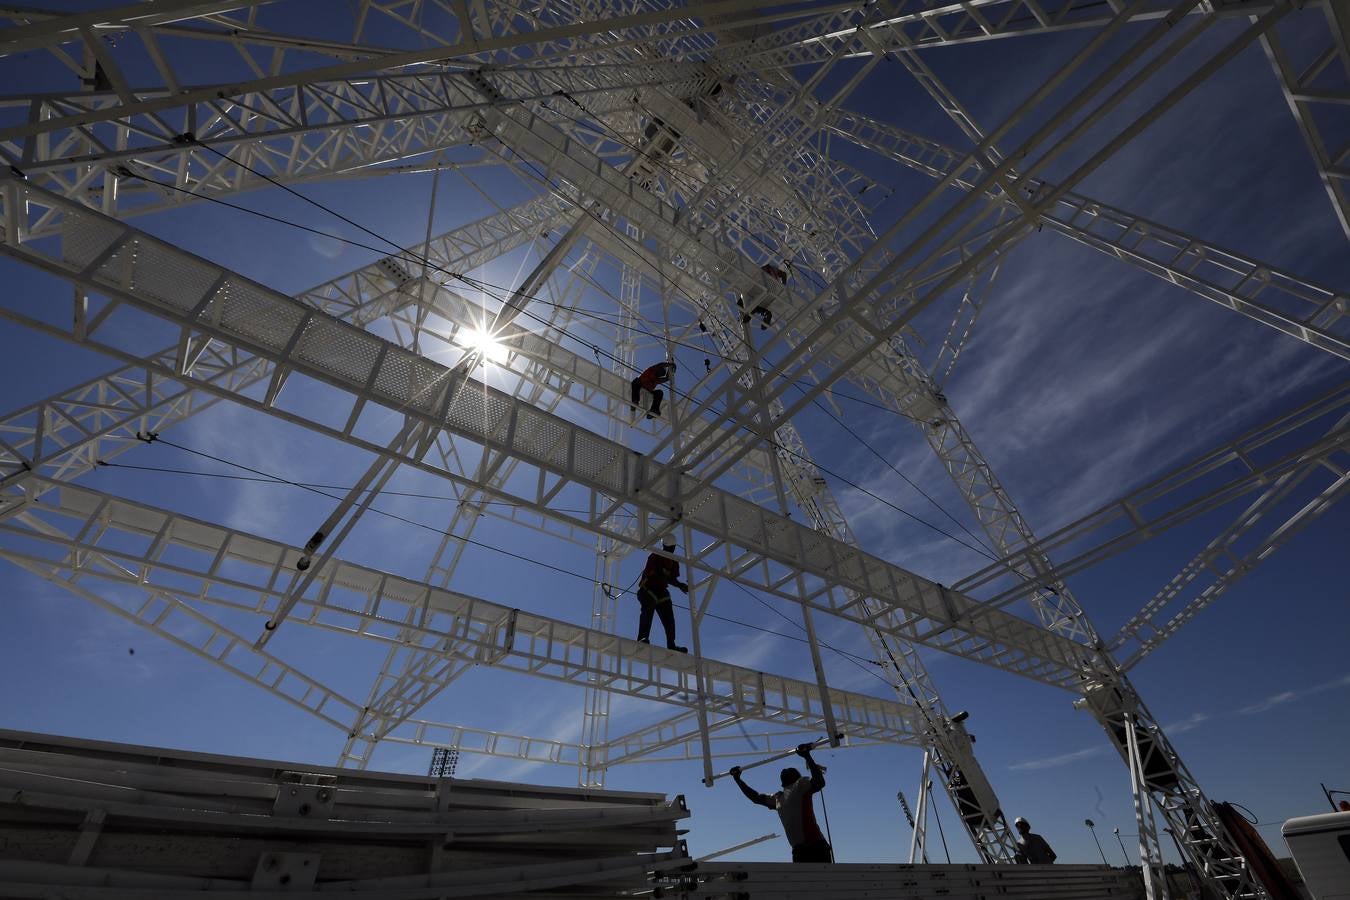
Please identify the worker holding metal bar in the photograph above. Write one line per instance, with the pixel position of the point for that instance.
(645, 385)
(654, 595)
(795, 808)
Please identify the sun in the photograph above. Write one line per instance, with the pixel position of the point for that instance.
(483, 342)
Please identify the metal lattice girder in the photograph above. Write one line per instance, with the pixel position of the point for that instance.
(882, 309)
(1315, 78)
(745, 543)
(677, 737)
(153, 113)
(810, 211)
(392, 283)
(638, 748)
(1194, 824)
(970, 790)
(1224, 561)
(73, 534)
(1175, 789)
(311, 130)
(963, 778)
(581, 378)
(399, 696)
(1292, 304)
(425, 673)
(896, 26)
(1177, 496)
(480, 741)
(65, 435)
(705, 263)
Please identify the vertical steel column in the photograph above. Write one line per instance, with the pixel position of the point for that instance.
(1150, 853)
(609, 553)
(918, 842)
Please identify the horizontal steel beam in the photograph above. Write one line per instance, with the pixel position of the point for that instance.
(80, 536)
(744, 542)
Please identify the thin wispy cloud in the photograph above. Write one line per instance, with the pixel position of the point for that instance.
(1286, 697)
(1191, 722)
(1064, 759)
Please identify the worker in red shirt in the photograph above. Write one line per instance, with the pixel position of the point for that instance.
(648, 381)
(654, 595)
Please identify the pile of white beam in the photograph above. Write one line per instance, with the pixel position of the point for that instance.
(84, 819)
(857, 881)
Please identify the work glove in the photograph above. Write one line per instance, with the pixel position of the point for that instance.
(804, 750)
(735, 771)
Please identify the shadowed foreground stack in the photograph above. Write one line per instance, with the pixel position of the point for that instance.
(84, 819)
(761, 881)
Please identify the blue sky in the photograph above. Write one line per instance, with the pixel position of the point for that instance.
(1085, 378)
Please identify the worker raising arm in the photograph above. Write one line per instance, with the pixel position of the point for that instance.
(795, 808)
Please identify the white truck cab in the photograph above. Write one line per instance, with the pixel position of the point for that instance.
(1321, 848)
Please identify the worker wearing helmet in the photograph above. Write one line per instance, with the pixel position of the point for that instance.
(654, 595)
(647, 381)
(1032, 848)
(795, 808)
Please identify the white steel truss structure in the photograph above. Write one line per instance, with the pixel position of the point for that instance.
(683, 192)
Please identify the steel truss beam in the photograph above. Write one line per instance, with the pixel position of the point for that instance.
(970, 791)
(158, 109)
(1315, 79)
(407, 694)
(745, 543)
(892, 308)
(1223, 561)
(843, 330)
(308, 131)
(1113, 698)
(896, 27)
(1280, 299)
(971, 794)
(1260, 456)
(65, 436)
(78, 537)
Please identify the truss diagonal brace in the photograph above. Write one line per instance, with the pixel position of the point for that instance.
(102, 254)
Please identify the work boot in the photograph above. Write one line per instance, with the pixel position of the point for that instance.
(677, 648)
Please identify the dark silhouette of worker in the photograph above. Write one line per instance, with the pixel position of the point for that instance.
(648, 381)
(654, 595)
(795, 808)
(762, 310)
(1032, 848)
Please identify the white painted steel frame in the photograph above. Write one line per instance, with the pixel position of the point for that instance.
(746, 544)
(969, 23)
(185, 567)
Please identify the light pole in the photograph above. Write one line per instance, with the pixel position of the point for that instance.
(1092, 827)
(1126, 856)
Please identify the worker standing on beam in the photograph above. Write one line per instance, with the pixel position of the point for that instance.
(795, 808)
(654, 593)
(647, 381)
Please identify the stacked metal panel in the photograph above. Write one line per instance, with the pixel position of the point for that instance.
(83, 819)
(851, 881)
